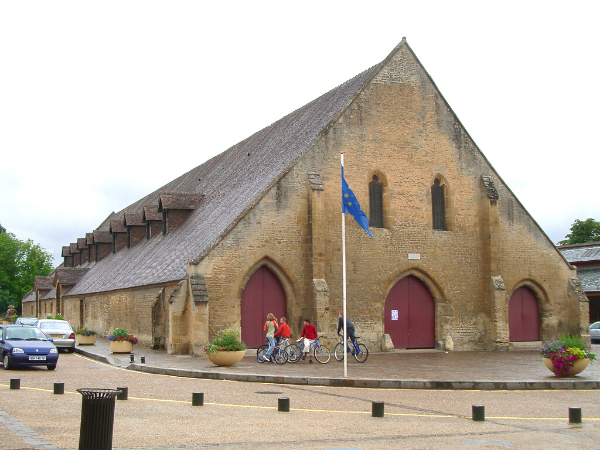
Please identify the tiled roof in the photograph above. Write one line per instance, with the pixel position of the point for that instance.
(231, 182)
(179, 200)
(589, 278)
(81, 243)
(50, 294)
(69, 276)
(102, 237)
(581, 252)
(89, 237)
(117, 226)
(151, 213)
(134, 219)
(43, 283)
(29, 297)
(66, 251)
(73, 247)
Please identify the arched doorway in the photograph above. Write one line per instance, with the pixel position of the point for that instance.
(523, 316)
(410, 314)
(263, 294)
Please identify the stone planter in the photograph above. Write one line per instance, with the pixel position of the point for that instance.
(121, 346)
(86, 340)
(6, 322)
(226, 358)
(574, 370)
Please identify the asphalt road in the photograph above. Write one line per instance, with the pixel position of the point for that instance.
(159, 414)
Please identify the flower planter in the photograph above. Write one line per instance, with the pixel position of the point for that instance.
(121, 346)
(226, 358)
(574, 370)
(6, 322)
(86, 340)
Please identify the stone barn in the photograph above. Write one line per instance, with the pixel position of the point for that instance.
(455, 262)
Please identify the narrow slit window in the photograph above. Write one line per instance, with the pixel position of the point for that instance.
(438, 203)
(375, 203)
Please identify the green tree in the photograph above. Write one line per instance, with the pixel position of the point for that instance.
(582, 232)
(20, 263)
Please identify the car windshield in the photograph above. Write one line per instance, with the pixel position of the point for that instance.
(55, 325)
(26, 321)
(24, 334)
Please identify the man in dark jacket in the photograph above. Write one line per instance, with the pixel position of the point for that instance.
(349, 327)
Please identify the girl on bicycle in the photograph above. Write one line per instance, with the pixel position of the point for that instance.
(270, 326)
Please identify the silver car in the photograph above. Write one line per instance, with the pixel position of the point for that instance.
(59, 331)
(26, 320)
(595, 332)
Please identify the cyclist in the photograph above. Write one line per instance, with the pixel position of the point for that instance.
(283, 332)
(309, 333)
(349, 327)
(270, 326)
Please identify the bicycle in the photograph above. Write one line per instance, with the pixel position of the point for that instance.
(320, 352)
(279, 355)
(356, 349)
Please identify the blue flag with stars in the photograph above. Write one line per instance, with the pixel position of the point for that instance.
(351, 206)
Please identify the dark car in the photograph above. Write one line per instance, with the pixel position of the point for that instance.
(26, 346)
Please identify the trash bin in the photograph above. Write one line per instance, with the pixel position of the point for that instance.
(97, 418)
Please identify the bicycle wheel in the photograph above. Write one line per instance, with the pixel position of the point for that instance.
(294, 353)
(363, 354)
(280, 356)
(338, 351)
(322, 354)
(260, 351)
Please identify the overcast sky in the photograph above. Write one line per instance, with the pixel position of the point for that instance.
(103, 102)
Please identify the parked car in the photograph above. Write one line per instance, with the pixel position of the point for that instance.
(595, 332)
(60, 331)
(26, 320)
(27, 346)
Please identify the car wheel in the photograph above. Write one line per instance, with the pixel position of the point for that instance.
(51, 366)
(70, 350)
(6, 362)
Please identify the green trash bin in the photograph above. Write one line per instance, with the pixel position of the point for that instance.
(97, 418)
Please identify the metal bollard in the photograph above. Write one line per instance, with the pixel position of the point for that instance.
(377, 409)
(123, 394)
(97, 418)
(478, 412)
(575, 415)
(283, 404)
(59, 388)
(197, 398)
(15, 383)
(143, 360)
(132, 358)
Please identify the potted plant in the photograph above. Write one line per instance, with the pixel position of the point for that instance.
(85, 336)
(566, 356)
(11, 315)
(121, 341)
(227, 349)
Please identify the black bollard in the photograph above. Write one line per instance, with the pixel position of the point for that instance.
(283, 404)
(59, 388)
(377, 409)
(143, 358)
(15, 383)
(123, 394)
(197, 398)
(575, 415)
(132, 358)
(478, 412)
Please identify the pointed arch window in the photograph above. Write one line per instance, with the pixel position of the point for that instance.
(438, 205)
(375, 203)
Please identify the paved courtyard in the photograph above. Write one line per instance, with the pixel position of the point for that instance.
(159, 412)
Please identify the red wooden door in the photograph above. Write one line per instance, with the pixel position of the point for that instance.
(523, 316)
(410, 314)
(262, 295)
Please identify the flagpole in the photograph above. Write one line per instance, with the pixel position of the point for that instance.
(344, 282)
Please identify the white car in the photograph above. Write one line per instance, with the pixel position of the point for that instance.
(595, 332)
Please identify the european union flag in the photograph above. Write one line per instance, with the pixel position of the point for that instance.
(351, 206)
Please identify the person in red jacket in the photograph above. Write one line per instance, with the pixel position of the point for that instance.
(283, 332)
(309, 333)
